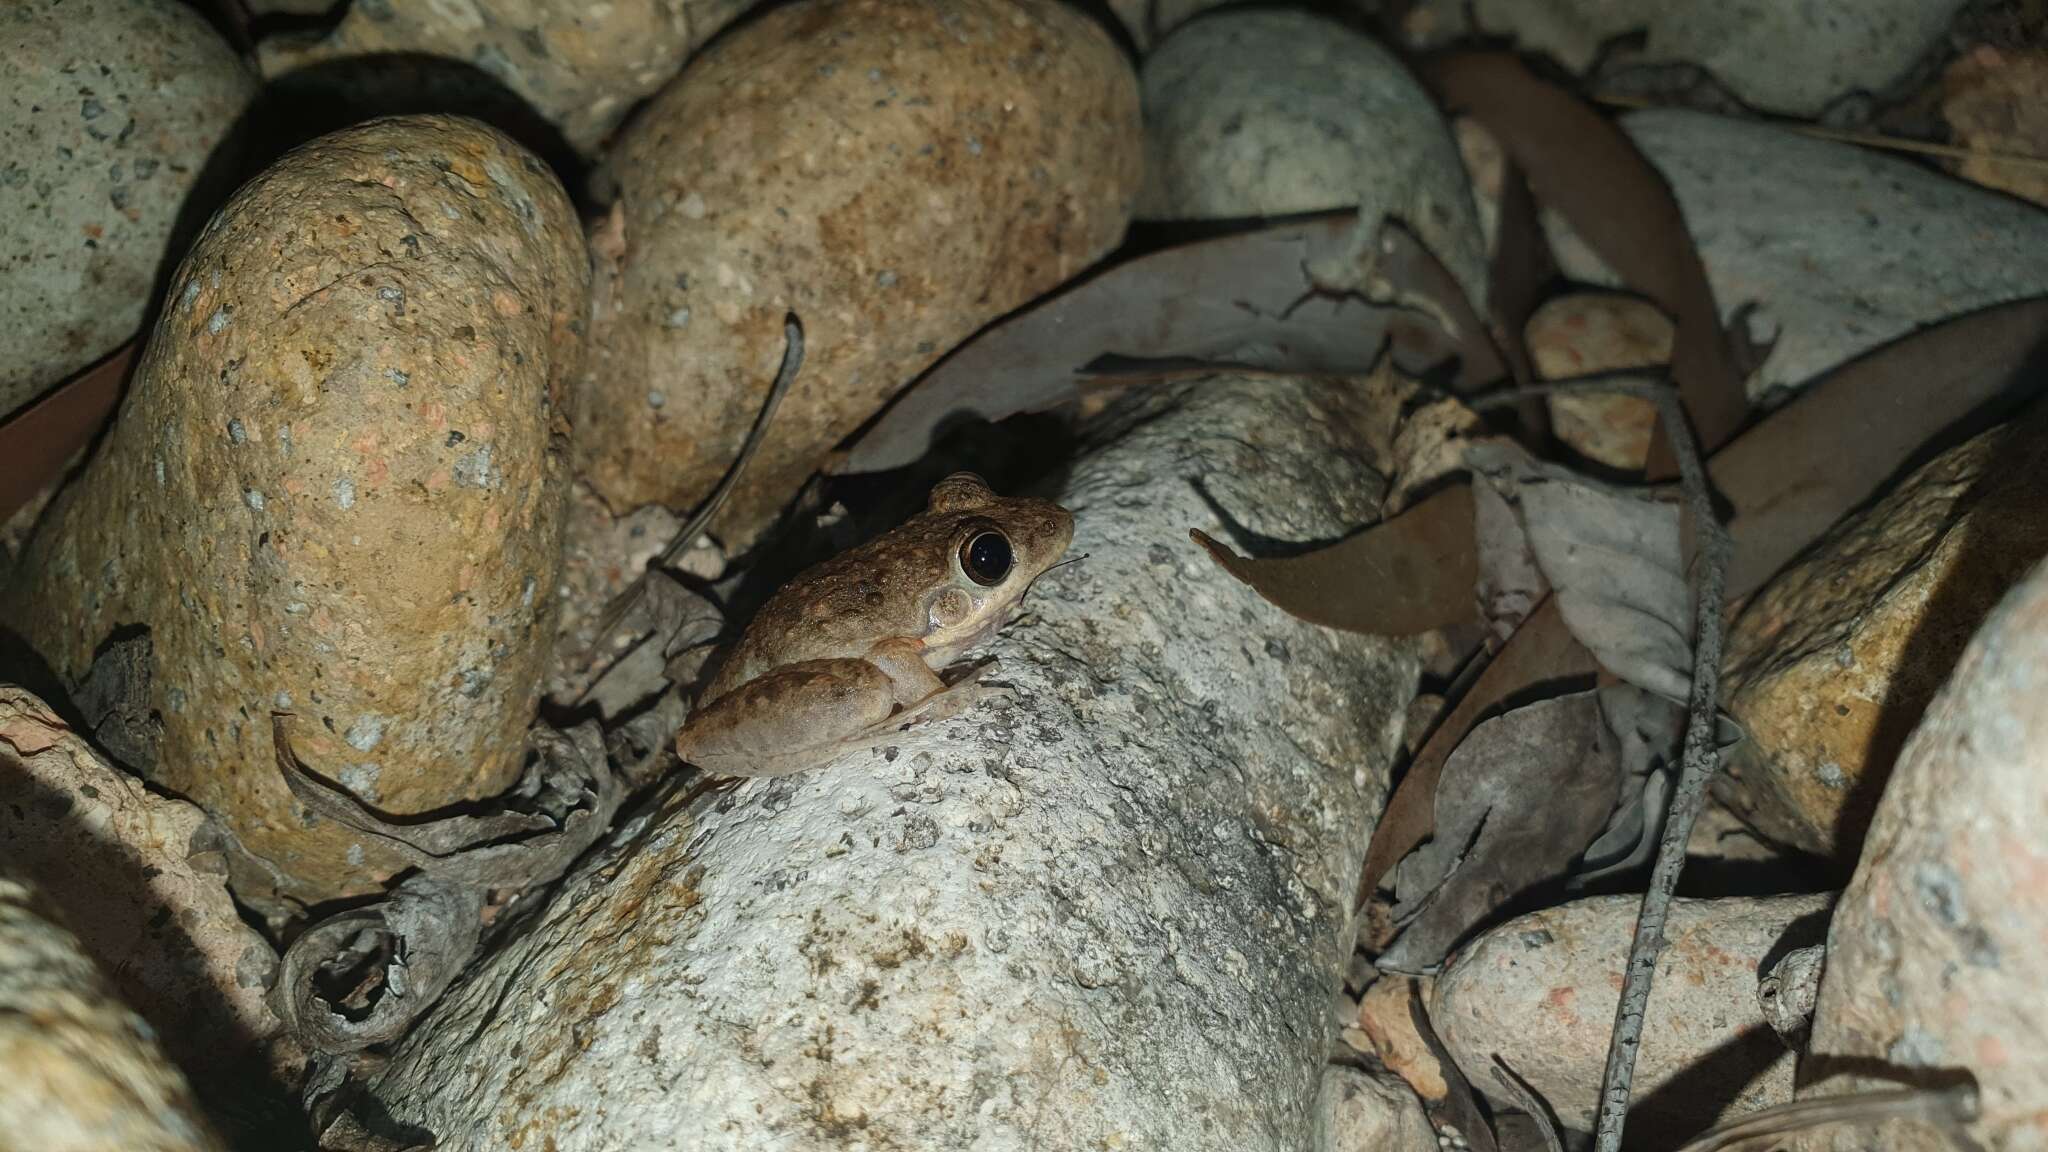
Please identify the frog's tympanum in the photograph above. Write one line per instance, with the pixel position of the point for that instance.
(851, 649)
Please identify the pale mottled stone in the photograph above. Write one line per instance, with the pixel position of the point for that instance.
(1540, 992)
(110, 111)
(583, 66)
(1267, 112)
(1935, 959)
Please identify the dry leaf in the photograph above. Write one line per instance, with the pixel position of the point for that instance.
(1402, 576)
(1613, 559)
(1511, 584)
(1801, 469)
(362, 977)
(1541, 651)
(391, 961)
(1520, 799)
(1580, 164)
(40, 439)
(1458, 1107)
(1244, 300)
(420, 841)
(1647, 729)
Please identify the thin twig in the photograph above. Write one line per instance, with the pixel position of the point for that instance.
(1947, 1110)
(1528, 1101)
(1699, 761)
(1867, 139)
(1621, 381)
(792, 361)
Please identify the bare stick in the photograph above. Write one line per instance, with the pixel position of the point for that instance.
(792, 361)
(1528, 1101)
(1698, 763)
(1947, 1110)
(1621, 381)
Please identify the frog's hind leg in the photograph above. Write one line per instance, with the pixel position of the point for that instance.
(785, 721)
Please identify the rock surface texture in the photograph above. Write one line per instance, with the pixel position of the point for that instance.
(1270, 112)
(1363, 1111)
(1596, 332)
(144, 887)
(1540, 991)
(1112, 911)
(1842, 249)
(109, 113)
(896, 172)
(1793, 59)
(1934, 958)
(1996, 103)
(1831, 665)
(79, 1071)
(582, 66)
(333, 490)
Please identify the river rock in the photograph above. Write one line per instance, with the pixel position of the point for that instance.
(333, 490)
(582, 66)
(79, 1071)
(1842, 249)
(1997, 103)
(1386, 1027)
(143, 885)
(1052, 922)
(1831, 664)
(1363, 1110)
(110, 114)
(895, 172)
(1934, 958)
(1793, 59)
(1583, 333)
(1540, 992)
(1265, 112)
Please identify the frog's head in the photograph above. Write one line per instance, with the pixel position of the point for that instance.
(995, 547)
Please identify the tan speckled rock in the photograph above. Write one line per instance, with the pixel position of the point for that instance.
(144, 888)
(334, 489)
(1588, 332)
(897, 172)
(583, 66)
(1831, 664)
(1265, 112)
(1540, 991)
(79, 1071)
(109, 110)
(1935, 958)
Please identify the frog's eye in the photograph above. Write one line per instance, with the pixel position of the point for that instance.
(986, 558)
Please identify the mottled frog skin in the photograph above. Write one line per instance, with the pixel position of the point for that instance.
(850, 650)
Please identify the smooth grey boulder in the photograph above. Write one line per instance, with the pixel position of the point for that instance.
(1112, 911)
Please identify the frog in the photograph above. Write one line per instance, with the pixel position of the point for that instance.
(852, 649)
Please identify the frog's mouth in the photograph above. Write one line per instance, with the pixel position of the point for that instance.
(1017, 609)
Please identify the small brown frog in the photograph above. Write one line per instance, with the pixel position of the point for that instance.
(849, 650)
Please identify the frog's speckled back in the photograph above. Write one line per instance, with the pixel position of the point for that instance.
(885, 589)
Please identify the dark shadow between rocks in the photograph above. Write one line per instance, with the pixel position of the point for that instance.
(310, 102)
(1687, 1104)
(250, 1108)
